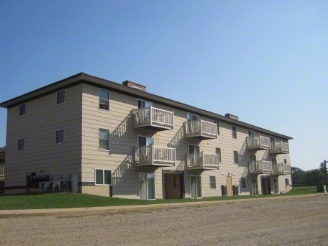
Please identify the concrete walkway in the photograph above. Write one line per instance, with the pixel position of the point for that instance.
(130, 208)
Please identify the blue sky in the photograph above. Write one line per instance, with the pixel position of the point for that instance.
(265, 61)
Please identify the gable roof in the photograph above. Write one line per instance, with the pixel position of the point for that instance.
(92, 80)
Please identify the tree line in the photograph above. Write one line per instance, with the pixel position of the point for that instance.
(308, 178)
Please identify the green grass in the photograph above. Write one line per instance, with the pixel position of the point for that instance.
(73, 200)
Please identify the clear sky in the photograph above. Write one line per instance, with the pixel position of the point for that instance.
(265, 61)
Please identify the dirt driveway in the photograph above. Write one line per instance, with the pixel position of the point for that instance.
(288, 221)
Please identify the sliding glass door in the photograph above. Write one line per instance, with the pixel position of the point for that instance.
(196, 187)
(146, 186)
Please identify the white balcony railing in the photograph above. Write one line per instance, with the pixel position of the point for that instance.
(201, 128)
(152, 116)
(154, 155)
(202, 161)
(260, 166)
(260, 142)
(279, 147)
(280, 169)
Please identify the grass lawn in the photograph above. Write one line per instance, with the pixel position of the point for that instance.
(71, 200)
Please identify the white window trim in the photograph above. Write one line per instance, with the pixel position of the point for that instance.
(201, 186)
(241, 183)
(142, 100)
(18, 144)
(56, 136)
(99, 89)
(214, 182)
(220, 157)
(235, 151)
(105, 150)
(103, 177)
(146, 138)
(198, 118)
(19, 110)
(57, 97)
(249, 131)
(274, 140)
(147, 184)
(217, 126)
(193, 145)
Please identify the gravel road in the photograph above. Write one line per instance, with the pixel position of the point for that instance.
(287, 221)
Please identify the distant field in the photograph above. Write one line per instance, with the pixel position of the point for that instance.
(71, 200)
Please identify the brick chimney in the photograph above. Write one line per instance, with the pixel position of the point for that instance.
(134, 85)
(231, 116)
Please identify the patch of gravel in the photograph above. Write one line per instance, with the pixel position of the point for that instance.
(289, 221)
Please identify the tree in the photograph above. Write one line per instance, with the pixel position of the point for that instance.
(297, 176)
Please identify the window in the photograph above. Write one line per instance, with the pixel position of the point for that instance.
(103, 139)
(144, 104)
(252, 159)
(218, 152)
(60, 97)
(103, 177)
(193, 149)
(217, 126)
(22, 109)
(59, 136)
(234, 132)
(250, 133)
(21, 144)
(285, 161)
(103, 99)
(212, 182)
(192, 117)
(274, 161)
(272, 139)
(243, 182)
(235, 156)
(287, 181)
(145, 141)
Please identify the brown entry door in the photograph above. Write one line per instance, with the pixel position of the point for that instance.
(229, 186)
(172, 186)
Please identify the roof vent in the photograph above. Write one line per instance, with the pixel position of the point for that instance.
(134, 85)
(231, 116)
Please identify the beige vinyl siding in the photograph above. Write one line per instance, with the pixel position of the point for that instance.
(38, 126)
(123, 139)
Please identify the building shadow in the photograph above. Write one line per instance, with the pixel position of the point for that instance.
(177, 138)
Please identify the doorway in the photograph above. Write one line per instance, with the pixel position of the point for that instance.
(275, 186)
(229, 185)
(146, 186)
(265, 185)
(254, 187)
(196, 187)
(173, 185)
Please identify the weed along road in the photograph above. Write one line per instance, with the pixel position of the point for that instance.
(287, 221)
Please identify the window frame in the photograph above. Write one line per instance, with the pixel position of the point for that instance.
(18, 145)
(235, 156)
(252, 133)
(217, 126)
(191, 114)
(242, 182)
(58, 97)
(103, 173)
(145, 101)
(234, 132)
(63, 136)
(103, 139)
(285, 162)
(286, 181)
(141, 136)
(194, 148)
(19, 109)
(272, 140)
(211, 183)
(220, 155)
(99, 98)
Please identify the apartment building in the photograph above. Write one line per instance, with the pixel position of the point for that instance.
(90, 135)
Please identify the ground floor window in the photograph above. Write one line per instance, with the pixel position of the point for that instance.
(196, 187)
(243, 182)
(287, 181)
(103, 177)
(212, 182)
(146, 186)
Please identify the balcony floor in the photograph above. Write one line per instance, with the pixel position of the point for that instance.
(154, 164)
(154, 127)
(200, 136)
(202, 168)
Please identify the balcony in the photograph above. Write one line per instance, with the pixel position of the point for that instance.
(279, 148)
(200, 129)
(202, 161)
(281, 169)
(153, 156)
(258, 143)
(259, 167)
(152, 118)
(2, 172)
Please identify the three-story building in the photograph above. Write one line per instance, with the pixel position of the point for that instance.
(90, 135)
